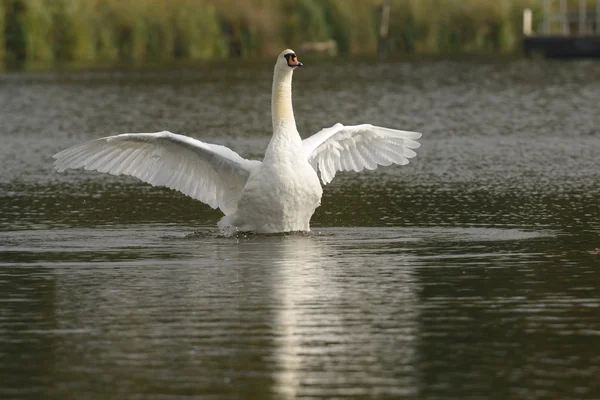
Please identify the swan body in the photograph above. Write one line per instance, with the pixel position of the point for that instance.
(279, 194)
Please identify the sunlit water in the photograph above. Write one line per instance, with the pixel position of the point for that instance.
(473, 272)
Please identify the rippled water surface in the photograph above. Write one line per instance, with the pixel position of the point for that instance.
(473, 272)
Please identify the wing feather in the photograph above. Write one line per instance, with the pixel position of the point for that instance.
(365, 152)
(354, 158)
(354, 148)
(210, 173)
(381, 157)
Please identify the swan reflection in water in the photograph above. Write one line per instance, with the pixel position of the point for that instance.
(341, 323)
(285, 315)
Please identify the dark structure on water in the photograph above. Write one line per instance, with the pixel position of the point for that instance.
(565, 33)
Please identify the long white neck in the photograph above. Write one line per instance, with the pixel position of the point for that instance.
(282, 112)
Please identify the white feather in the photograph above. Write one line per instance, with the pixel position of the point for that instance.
(353, 148)
(278, 195)
(210, 173)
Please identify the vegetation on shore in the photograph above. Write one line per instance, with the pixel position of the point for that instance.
(92, 32)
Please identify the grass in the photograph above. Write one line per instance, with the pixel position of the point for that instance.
(91, 32)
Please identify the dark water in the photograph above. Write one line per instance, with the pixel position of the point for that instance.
(474, 272)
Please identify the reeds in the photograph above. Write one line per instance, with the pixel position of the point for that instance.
(141, 31)
(429, 26)
(110, 31)
(2, 28)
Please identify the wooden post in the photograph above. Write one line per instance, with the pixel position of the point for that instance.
(546, 17)
(564, 19)
(527, 18)
(582, 17)
(597, 17)
(384, 27)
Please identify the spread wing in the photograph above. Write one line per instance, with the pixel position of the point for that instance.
(207, 172)
(353, 148)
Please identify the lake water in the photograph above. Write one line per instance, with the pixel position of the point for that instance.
(473, 272)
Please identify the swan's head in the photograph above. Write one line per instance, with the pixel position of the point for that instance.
(288, 60)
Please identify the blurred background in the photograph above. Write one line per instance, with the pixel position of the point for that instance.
(470, 273)
(95, 32)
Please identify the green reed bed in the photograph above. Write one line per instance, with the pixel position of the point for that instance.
(2, 46)
(110, 31)
(429, 26)
(98, 32)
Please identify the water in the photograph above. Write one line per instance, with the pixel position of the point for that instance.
(473, 272)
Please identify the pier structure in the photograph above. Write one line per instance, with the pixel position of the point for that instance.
(565, 32)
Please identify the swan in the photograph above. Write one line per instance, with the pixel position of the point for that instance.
(279, 194)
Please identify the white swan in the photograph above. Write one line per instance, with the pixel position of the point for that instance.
(279, 194)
